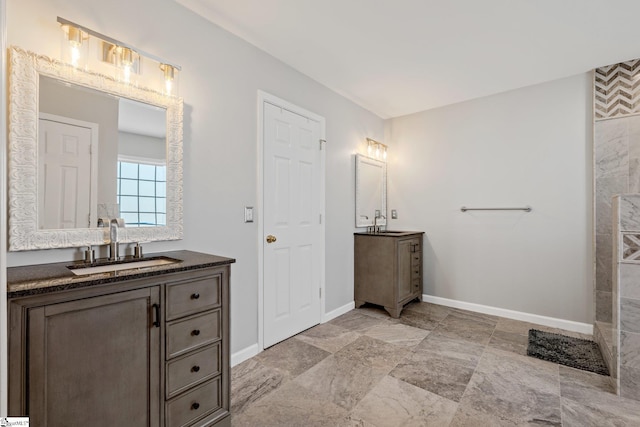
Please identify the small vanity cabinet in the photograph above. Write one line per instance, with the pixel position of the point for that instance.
(388, 269)
(145, 348)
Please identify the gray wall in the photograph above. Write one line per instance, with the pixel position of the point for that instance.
(530, 146)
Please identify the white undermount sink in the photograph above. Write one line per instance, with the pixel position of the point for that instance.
(128, 265)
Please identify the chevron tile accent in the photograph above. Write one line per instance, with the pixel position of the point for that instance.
(617, 90)
(631, 248)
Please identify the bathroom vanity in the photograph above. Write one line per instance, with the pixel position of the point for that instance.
(388, 269)
(140, 346)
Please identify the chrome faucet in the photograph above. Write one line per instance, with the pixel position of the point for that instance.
(376, 227)
(114, 249)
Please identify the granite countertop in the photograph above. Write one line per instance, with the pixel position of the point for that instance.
(44, 278)
(389, 233)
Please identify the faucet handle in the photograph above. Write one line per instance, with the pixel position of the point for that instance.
(137, 250)
(89, 255)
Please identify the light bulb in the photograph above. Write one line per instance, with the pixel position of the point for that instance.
(384, 154)
(127, 73)
(75, 54)
(369, 149)
(377, 152)
(169, 73)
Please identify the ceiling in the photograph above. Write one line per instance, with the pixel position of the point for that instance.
(397, 57)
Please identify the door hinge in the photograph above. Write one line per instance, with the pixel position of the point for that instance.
(320, 292)
(322, 142)
(320, 218)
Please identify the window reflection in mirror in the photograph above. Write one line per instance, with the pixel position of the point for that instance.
(84, 138)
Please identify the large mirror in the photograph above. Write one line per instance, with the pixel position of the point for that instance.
(84, 149)
(371, 191)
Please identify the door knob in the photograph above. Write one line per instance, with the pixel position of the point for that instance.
(271, 238)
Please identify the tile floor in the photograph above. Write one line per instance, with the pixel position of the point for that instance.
(435, 366)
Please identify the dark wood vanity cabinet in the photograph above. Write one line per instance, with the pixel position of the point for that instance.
(94, 361)
(388, 269)
(143, 352)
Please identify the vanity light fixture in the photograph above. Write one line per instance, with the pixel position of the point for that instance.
(376, 149)
(169, 77)
(126, 58)
(73, 41)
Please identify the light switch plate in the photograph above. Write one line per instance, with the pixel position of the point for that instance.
(248, 214)
(394, 214)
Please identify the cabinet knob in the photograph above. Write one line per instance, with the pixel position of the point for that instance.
(195, 405)
(196, 368)
(195, 332)
(195, 296)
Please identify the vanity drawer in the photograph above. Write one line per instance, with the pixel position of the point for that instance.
(194, 404)
(193, 332)
(187, 371)
(194, 296)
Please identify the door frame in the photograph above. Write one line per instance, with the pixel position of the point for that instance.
(264, 97)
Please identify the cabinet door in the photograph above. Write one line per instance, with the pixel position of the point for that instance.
(95, 361)
(404, 268)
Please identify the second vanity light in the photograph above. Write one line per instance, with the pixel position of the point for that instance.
(127, 59)
(376, 149)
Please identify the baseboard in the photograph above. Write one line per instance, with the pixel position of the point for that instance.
(568, 325)
(242, 355)
(338, 312)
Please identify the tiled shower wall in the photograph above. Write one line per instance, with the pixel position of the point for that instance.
(617, 162)
(617, 171)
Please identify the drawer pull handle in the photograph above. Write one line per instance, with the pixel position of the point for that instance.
(195, 405)
(195, 368)
(195, 296)
(195, 332)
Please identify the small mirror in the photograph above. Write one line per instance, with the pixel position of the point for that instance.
(371, 191)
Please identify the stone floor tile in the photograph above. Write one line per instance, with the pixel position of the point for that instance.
(398, 334)
(328, 337)
(358, 322)
(515, 388)
(372, 352)
(436, 374)
(417, 320)
(374, 311)
(396, 403)
(466, 416)
(292, 356)
(292, 405)
(466, 328)
(474, 315)
(462, 352)
(250, 381)
(432, 312)
(343, 382)
(509, 341)
(576, 414)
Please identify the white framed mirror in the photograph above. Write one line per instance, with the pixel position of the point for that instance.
(106, 130)
(371, 191)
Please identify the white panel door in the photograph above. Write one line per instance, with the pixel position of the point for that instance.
(64, 175)
(292, 206)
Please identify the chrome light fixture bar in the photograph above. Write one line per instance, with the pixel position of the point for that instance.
(376, 149)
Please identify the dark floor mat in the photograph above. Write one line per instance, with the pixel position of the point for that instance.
(569, 351)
